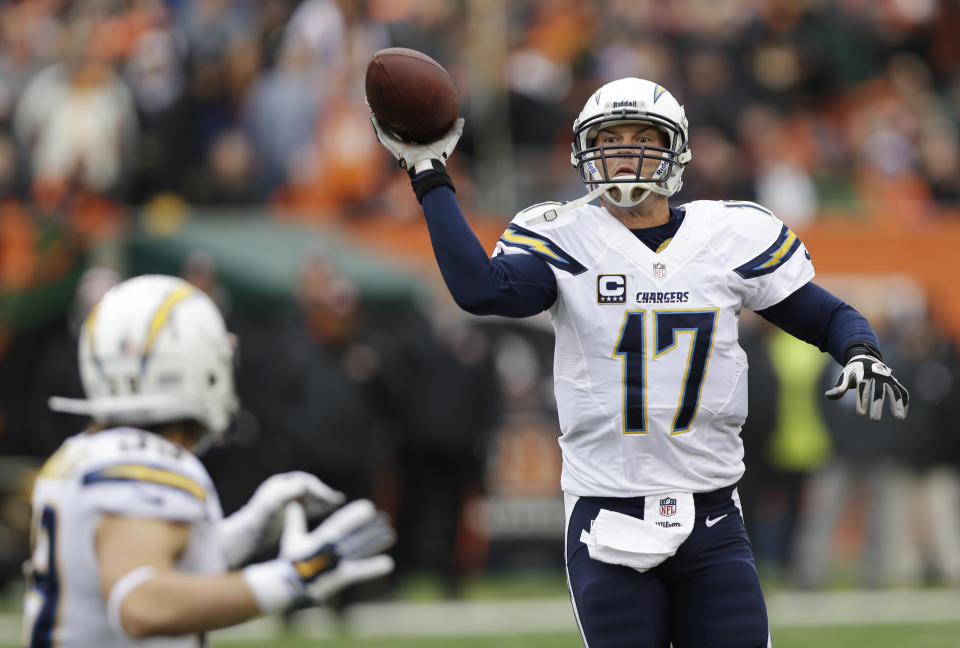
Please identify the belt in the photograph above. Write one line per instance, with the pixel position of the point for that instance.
(634, 505)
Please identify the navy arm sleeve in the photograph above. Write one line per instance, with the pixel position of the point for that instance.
(514, 285)
(814, 315)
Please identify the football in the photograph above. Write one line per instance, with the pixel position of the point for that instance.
(411, 94)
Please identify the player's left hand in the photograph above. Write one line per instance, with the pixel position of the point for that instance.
(875, 383)
(249, 527)
(419, 157)
(346, 548)
(351, 541)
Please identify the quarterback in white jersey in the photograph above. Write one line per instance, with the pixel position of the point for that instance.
(129, 543)
(650, 379)
(638, 332)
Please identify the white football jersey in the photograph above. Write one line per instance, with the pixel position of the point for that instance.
(649, 376)
(123, 471)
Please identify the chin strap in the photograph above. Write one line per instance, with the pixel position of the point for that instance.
(551, 214)
(78, 406)
(646, 193)
(629, 203)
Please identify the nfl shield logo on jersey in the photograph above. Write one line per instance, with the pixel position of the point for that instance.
(659, 270)
(668, 506)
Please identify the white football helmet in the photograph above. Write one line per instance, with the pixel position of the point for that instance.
(155, 350)
(624, 101)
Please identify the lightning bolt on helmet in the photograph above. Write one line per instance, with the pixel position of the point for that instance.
(626, 101)
(155, 350)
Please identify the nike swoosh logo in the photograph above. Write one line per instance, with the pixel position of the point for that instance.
(710, 522)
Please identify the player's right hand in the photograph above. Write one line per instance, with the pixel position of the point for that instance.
(345, 549)
(258, 522)
(416, 158)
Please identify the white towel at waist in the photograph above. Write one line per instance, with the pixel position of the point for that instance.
(620, 539)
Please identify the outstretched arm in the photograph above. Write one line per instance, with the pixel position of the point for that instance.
(814, 315)
(147, 596)
(516, 285)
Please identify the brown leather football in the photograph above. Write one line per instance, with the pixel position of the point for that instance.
(411, 94)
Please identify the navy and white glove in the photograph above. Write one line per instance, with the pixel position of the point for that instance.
(418, 159)
(345, 549)
(414, 157)
(875, 384)
(258, 522)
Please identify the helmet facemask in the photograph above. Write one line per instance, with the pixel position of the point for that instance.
(631, 101)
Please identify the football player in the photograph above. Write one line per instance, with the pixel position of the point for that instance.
(649, 377)
(129, 544)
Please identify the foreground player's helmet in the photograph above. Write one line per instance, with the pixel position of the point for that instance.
(625, 101)
(155, 350)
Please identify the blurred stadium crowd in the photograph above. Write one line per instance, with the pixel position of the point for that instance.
(116, 112)
(803, 105)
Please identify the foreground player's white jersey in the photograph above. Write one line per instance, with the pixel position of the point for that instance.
(123, 471)
(649, 376)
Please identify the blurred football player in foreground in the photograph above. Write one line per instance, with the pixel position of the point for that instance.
(129, 543)
(649, 377)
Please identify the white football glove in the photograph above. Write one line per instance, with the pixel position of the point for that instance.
(874, 382)
(416, 158)
(257, 523)
(345, 549)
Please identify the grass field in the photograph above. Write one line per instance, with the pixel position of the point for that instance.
(932, 635)
(883, 635)
(532, 612)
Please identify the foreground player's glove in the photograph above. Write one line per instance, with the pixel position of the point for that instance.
(347, 548)
(875, 383)
(418, 159)
(253, 525)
